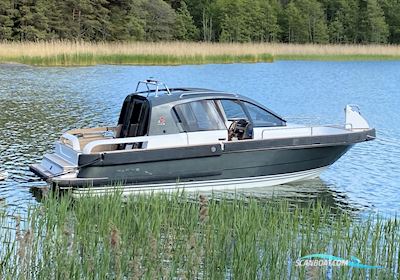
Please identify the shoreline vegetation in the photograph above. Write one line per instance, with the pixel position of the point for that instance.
(65, 53)
(181, 236)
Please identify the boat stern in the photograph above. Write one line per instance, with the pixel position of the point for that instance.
(63, 163)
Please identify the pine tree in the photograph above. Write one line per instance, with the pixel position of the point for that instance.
(40, 20)
(336, 31)
(95, 20)
(119, 18)
(175, 4)
(379, 29)
(268, 22)
(135, 21)
(342, 16)
(6, 19)
(185, 30)
(135, 27)
(295, 25)
(58, 26)
(373, 28)
(31, 21)
(159, 20)
(391, 9)
(87, 19)
(313, 16)
(246, 21)
(233, 23)
(295, 21)
(203, 14)
(252, 16)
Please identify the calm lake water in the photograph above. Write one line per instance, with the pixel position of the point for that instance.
(38, 104)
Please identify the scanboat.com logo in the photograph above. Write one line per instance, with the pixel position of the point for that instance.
(329, 260)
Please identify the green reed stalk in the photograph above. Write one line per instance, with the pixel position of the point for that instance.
(191, 237)
(87, 59)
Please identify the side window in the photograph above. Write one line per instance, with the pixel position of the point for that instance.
(199, 116)
(233, 110)
(260, 117)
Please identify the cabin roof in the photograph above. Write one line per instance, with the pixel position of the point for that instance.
(185, 93)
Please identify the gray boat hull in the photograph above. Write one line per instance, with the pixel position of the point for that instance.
(239, 160)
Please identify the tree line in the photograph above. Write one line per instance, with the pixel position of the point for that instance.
(291, 21)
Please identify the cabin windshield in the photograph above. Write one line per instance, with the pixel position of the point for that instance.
(261, 117)
(199, 116)
(241, 110)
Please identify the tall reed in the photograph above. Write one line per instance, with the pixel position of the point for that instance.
(176, 236)
(66, 53)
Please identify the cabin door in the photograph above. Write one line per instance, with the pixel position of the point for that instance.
(134, 118)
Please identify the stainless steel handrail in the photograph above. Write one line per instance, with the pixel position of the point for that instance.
(204, 92)
(151, 82)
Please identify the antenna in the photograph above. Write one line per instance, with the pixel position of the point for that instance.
(153, 83)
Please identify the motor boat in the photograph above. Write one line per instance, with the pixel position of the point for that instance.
(196, 139)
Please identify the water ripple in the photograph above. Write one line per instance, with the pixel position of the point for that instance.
(38, 104)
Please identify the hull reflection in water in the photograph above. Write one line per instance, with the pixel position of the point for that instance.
(205, 185)
(301, 194)
(304, 193)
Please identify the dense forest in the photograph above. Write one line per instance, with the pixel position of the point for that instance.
(293, 21)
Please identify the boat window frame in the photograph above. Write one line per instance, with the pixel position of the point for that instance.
(283, 122)
(242, 104)
(222, 110)
(185, 127)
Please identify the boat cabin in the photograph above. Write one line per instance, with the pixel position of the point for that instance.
(205, 138)
(188, 110)
(161, 117)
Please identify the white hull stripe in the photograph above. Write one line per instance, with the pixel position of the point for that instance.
(210, 185)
